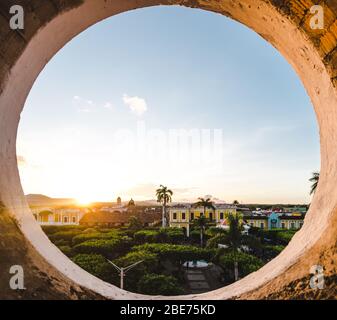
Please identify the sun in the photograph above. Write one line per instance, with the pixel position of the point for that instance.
(83, 201)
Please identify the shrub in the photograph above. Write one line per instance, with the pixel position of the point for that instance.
(66, 250)
(90, 230)
(158, 284)
(143, 236)
(135, 223)
(105, 230)
(109, 248)
(270, 251)
(163, 235)
(64, 235)
(277, 236)
(177, 253)
(95, 236)
(62, 242)
(195, 235)
(286, 236)
(247, 263)
(96, 265)
(213, 231)
(175, 235)
(150, 260)
(150, 263)
(216, 240)
(54, 229)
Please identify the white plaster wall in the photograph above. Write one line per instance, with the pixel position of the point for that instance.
(262, 18)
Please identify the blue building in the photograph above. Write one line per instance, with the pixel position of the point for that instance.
(274, 221)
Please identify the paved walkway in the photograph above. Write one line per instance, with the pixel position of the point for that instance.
(202, 279)
(197, 281)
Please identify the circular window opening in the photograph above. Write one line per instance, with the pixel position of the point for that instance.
(164, 103)
(305, 70)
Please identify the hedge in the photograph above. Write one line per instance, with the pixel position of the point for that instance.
(54, 229)
(64, 235)
(158, 284)
(176, 252)
(108, 248)
(247, 263)
(95, 236)
(95, 264)
(146, 236)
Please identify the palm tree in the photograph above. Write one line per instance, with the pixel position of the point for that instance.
(164, 196)
(235, 238)
(314, 179)
(201, 223)
(205, 203)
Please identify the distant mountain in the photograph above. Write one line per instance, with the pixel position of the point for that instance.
(42, 200)
(37, 198)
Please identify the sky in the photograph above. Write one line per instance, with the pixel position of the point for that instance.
(174, 96)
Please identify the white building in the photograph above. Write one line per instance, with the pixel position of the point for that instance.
(52, 216)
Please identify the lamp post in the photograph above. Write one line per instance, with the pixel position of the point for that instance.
(122, 271)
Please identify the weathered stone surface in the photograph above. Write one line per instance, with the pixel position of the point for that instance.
(41, 281)
(50, 24)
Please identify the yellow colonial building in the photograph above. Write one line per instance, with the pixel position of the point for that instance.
(181, 216)
(257, 221)
(290, 221)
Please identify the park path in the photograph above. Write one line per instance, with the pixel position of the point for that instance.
(200, 280)
(196, 281)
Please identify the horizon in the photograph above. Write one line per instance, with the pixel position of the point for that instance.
(217, 201)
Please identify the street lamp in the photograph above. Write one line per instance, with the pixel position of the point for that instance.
(122, 271)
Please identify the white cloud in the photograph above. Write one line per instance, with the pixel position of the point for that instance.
(136, 104)
(108, 105)
(83, 105)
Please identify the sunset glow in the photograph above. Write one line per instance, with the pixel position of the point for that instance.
(108, 128)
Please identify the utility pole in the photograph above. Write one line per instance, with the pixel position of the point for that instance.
(122, 271)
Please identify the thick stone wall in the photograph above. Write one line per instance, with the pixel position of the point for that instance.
(49, 25)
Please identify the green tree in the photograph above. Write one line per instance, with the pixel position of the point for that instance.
(109, 248)
(95, 264)
(175, 253)
(220, 238)
(135, 223)
(164, 196)
(205, 204)
(236, 202)
(64, 235)
(159, 284)
(144, 236)
(234, 237)
(314, 179)
(247, 263)
(174, 235)
(202, 221)
(149, 264)
(113, 234)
